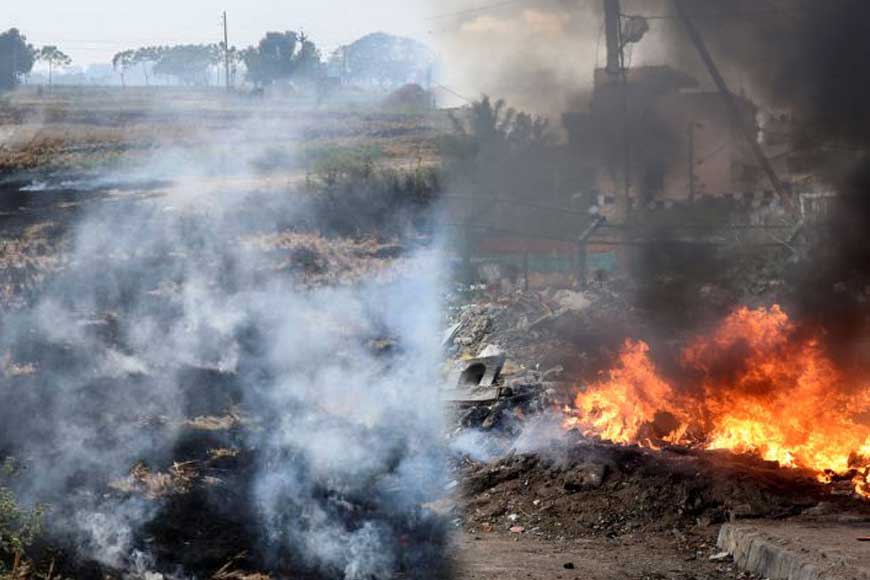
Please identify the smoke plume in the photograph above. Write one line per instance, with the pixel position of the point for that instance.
(807, 58)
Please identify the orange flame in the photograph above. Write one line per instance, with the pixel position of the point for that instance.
(760, 390)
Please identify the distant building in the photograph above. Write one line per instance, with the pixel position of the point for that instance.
(682, 143)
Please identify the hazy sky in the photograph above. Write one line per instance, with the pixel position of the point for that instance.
(91, 31)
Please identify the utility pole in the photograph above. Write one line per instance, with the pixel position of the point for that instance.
(611, 27)
(226, 53)
(616, 66)
(738, 117)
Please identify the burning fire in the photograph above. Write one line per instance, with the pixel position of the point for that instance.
(757, 387)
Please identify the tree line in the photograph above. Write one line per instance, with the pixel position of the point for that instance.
(17, 57)
(378, 60)
(279, 56)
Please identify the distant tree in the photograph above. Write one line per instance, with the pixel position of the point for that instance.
(384, 60)
(16, 58)
(190, 64)
(144, 57)
(281, 56)
(272, 59)
(498, 150)
(309, 65)
(234, 56)
(54, 57)
(493, 125)
(122, 62)
(235, 60)
(487, 125)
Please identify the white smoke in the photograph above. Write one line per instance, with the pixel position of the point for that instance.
(347, 439)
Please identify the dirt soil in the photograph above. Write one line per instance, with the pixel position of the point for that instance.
(490, 557)
(618, 512)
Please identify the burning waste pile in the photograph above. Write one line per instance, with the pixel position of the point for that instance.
(751, 420)
(751, 416)
(177, 401)
(755, 385)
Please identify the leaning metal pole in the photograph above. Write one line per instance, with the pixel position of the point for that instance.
(747, 130)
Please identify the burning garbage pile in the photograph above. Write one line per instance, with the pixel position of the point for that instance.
(757, 384)
(754, 419)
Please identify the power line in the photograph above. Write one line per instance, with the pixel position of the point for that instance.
(454, 93)
(475, 10)
(717, 15)
(708, 15)
(484, 8)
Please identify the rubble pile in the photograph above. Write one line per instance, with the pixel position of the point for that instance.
(596, 489)
(540, 330)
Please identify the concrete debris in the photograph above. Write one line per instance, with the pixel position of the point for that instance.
(572, 300)
(478, 372)
(491, 350)
(474, 380)
(450, 335)
(795, 550)
(471, 396)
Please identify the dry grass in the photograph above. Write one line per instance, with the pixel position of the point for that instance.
(26, 261)
(83, 128)
(224, 423)
(9, 368)
(156, 484)
(326, 261)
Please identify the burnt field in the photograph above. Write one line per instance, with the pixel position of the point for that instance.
(223, 355)
(198, 320)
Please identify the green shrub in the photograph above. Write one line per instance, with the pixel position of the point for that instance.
(18, 526)
(386, 200)
(335, 164)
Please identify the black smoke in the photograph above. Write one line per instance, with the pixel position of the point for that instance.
(809, 58)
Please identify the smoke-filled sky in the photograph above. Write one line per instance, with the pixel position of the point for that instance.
(91, 31)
